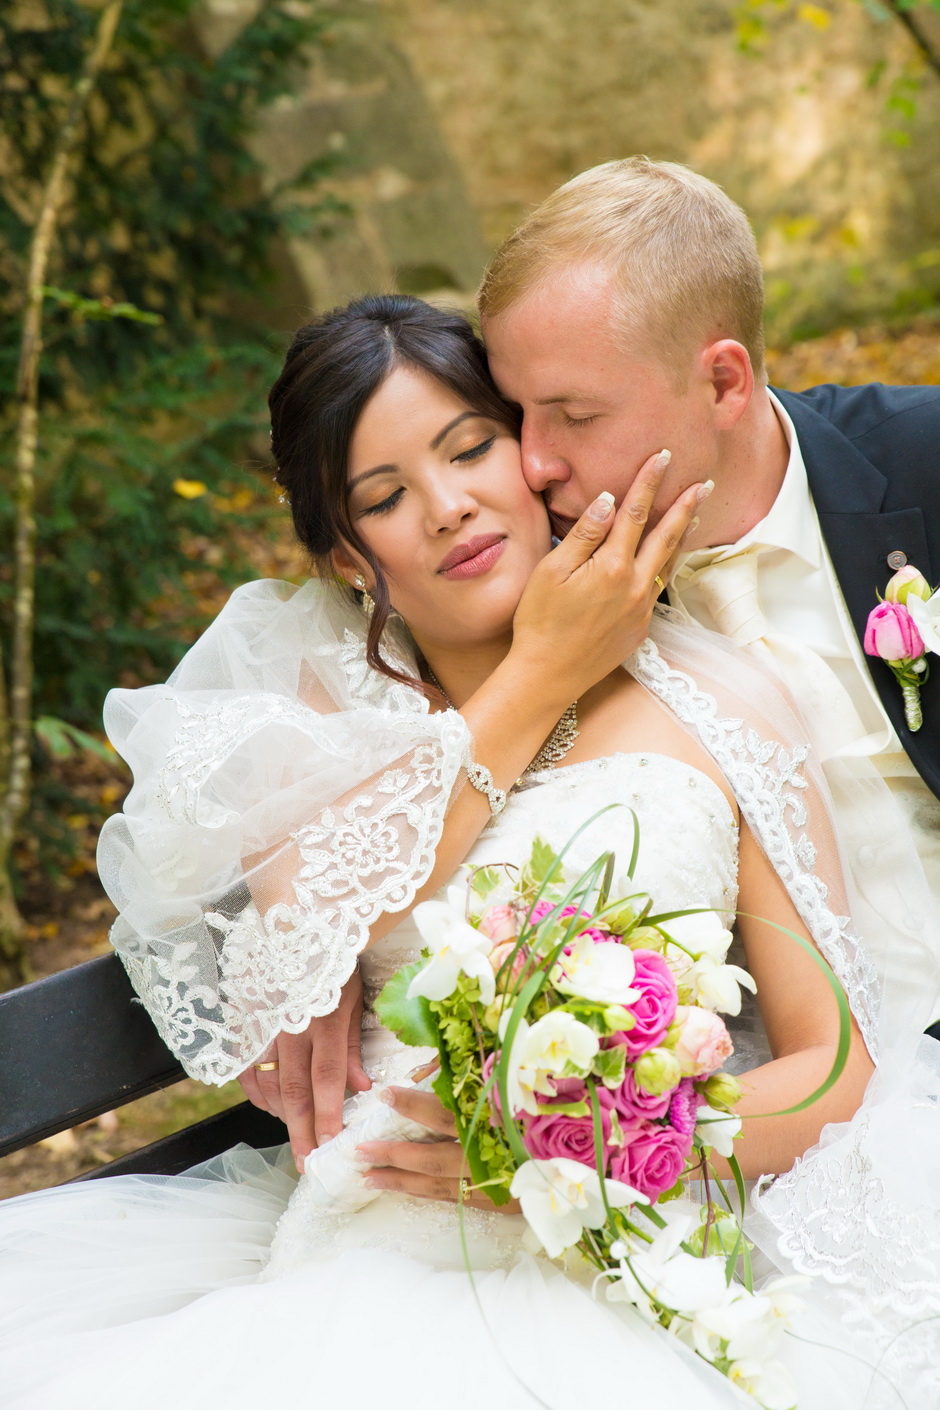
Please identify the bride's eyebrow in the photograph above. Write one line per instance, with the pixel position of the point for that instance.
(392, 469)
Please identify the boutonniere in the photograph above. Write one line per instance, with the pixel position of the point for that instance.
(901, 630)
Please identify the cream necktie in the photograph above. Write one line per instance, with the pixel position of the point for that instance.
(727, 587)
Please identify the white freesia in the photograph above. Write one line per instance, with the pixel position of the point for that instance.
(769, 1382)
(557, 1045)
(926, 619)
(664, 1271)
(602, 972)
(702, 934)
(717, 1129)
(561, 1197)
(717, 986)
(456, 948)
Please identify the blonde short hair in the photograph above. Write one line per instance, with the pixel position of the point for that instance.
(682, 253)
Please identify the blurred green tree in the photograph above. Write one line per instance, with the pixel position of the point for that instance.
(149, 391)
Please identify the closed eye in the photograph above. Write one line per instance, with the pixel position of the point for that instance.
(475, 452)
(578, 420)
(384, 505)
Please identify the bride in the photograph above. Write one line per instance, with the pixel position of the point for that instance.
(325, 757)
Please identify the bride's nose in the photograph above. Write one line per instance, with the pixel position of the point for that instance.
(449, 506)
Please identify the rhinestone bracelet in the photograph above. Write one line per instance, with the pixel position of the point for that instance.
(482, 780)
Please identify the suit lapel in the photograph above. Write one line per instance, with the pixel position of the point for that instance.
(848, 492)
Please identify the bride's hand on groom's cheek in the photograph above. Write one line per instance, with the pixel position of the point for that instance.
(314, 1070)
(428, 1169)
(589, 601)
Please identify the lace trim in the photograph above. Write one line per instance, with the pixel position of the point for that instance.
(277, 971)
(834, 1219)
(769, 784)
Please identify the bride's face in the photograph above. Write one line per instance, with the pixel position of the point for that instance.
(436, 491)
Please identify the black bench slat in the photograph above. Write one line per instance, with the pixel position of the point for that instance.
(73, 1046)
(207, 1138)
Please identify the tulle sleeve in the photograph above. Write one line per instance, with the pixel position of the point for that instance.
(285, 795)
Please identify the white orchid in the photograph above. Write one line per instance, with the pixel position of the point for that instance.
(664, 1271)
(717, 1129)
(602, 972)
(701, 934)
(456, 948)
(557, 1045)
(769, 1382)
(717, 986)
(561, 1197)
(926, 619)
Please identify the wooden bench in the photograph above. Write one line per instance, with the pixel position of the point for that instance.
(77, 1044)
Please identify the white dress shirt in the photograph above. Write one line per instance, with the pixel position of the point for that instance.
(800, 598)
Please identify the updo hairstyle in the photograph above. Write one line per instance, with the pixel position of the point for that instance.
(333, 367)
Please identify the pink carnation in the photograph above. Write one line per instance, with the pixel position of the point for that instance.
(652, 1158)
(655, 1009)
(704, 1044)
(683, 1107)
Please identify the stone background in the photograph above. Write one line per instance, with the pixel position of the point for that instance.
(451, 119)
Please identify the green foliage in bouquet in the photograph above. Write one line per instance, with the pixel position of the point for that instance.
(580, 1049)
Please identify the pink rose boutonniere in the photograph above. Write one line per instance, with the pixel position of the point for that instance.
(901, 630)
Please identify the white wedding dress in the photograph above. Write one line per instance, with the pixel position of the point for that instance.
(236, 1285)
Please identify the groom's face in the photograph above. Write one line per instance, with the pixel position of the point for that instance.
(592, 413)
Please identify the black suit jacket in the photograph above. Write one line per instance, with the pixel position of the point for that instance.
(872, 457)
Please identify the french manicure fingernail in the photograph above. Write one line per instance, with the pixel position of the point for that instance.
(693, 525)
(387, 1096)
(372, 1184)
(663, 459)
(705, 490)
(602, 507)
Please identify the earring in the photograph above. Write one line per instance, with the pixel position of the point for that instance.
(368, 604)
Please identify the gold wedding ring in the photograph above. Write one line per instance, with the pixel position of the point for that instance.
(662, 585)
(265, 1066)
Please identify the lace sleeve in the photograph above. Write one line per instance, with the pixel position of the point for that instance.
(284, 797)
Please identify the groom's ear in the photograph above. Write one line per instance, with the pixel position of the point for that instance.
(726, 366)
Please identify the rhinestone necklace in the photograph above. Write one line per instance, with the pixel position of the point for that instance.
(556, 746)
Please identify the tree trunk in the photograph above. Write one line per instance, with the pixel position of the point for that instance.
(928, 50)
(16, 723)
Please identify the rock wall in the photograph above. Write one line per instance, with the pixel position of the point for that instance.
(528, 92)
(452, 118)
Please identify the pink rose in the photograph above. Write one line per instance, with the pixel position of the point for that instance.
(652, 1157)
(571, 1137)
(499, 956)
(499, 923)
(542, 908)
(704, 1044)
(892, 634)
(655, 1009)
(632, 1103)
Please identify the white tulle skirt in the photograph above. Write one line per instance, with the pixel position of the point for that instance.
(155, 1293)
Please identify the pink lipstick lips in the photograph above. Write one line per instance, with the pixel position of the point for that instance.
(476, 556)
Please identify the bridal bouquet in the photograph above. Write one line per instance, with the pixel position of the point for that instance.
(581, 1048)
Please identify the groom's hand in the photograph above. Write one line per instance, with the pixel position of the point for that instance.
(587, 606)
(314, 1071)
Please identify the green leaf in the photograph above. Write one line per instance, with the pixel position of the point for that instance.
(542, 862)
(410, 1019)
(484, 880)
(610, 1064)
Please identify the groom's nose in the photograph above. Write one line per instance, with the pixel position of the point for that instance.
(541, 464)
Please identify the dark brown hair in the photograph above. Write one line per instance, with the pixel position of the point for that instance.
(335, 364)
